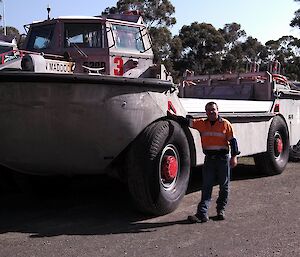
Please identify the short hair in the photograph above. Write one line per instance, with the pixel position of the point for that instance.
(211, 103)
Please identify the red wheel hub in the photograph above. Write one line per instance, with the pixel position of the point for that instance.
(279, 145)
(169, 167)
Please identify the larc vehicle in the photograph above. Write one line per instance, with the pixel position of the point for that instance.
(84, 97)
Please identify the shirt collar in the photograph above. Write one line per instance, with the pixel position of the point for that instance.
(219, 119)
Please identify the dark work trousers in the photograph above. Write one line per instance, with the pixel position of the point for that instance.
(214, 170)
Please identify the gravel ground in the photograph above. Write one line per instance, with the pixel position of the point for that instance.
(94, 217)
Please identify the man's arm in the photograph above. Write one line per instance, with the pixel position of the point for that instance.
(234, 150)
(185, 121)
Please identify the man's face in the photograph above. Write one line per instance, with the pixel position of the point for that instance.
(212, 112)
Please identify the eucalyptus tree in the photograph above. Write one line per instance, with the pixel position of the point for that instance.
(296, 20)
(202, 47)
(232, 53)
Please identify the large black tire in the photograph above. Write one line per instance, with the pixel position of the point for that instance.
(159, 168)
(273, 161)
(295, 152)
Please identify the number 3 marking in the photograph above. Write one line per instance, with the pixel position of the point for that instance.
(119, 71)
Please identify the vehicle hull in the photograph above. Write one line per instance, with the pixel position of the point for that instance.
(66, 124)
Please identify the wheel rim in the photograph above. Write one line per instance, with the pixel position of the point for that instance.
(278, 144)
(169, 167)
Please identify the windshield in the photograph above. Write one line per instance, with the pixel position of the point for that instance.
(85, 35)
(128, 37)
(40, 37)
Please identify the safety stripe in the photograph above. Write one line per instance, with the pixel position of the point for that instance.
(212, 134)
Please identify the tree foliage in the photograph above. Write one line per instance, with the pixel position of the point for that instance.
(296, 20)
(231, 33)
(161, 44)
(10, 31)
(201, 47)
(286, 50)
(156, 13)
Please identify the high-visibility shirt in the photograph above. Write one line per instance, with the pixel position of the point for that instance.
(214, 137)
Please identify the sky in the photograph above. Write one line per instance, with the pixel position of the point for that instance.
(261, 19)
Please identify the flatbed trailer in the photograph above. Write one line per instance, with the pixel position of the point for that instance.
(265, 113)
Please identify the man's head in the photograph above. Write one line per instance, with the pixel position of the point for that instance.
(212, 111)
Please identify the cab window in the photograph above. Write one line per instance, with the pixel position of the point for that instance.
(128, 37)
(85, 35)
(40, 37)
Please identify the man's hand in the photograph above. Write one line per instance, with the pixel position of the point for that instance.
(180, 119)
(233, 161)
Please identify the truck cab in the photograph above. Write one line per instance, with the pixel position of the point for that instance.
(117, 45)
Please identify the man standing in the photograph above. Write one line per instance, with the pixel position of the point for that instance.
(216, 136)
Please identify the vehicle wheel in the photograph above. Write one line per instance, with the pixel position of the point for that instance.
(275, 159)
(159, 168)
(295, 152)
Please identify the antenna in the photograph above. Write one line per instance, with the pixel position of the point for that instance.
(3, 17)
(48, 10)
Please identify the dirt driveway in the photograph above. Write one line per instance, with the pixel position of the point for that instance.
(94, 217)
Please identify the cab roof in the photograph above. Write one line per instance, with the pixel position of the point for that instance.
(122, 18)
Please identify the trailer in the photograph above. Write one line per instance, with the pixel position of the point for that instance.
(263, 108)
(84, 97)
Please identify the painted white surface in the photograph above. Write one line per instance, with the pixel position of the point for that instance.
(234, 106)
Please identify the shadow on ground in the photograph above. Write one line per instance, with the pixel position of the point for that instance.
(93, 205)
(241, 172)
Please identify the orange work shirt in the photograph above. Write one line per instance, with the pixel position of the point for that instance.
(216, 136)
